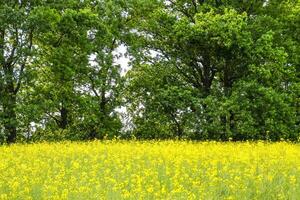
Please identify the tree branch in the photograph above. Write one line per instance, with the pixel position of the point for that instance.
(18, 85)
(93, 87)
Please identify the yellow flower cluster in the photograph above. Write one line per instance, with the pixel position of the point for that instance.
(150, 170)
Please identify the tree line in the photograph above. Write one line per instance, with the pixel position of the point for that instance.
(198, 69)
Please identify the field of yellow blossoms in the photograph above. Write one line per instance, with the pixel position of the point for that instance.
(150, 170)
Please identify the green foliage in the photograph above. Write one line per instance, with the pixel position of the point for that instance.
(229, 57)
(209, 69)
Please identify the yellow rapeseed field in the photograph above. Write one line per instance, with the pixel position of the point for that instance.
(150, 170)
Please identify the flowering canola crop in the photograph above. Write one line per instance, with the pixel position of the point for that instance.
(150, 170)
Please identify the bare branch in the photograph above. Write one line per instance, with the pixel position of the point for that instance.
(53, 117)
(93, 87)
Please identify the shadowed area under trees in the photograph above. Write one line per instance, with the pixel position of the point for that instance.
(199, 69)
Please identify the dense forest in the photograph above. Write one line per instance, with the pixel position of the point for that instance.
(197, 69)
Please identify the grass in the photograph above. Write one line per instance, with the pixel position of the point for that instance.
(150, 170)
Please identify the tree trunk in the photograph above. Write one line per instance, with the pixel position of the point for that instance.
(63, 118)
(9, 116)
(9, 102)
(228, 118)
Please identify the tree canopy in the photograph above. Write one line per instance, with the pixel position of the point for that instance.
(198, 69)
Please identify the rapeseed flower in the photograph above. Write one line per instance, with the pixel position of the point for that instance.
(150, 170)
